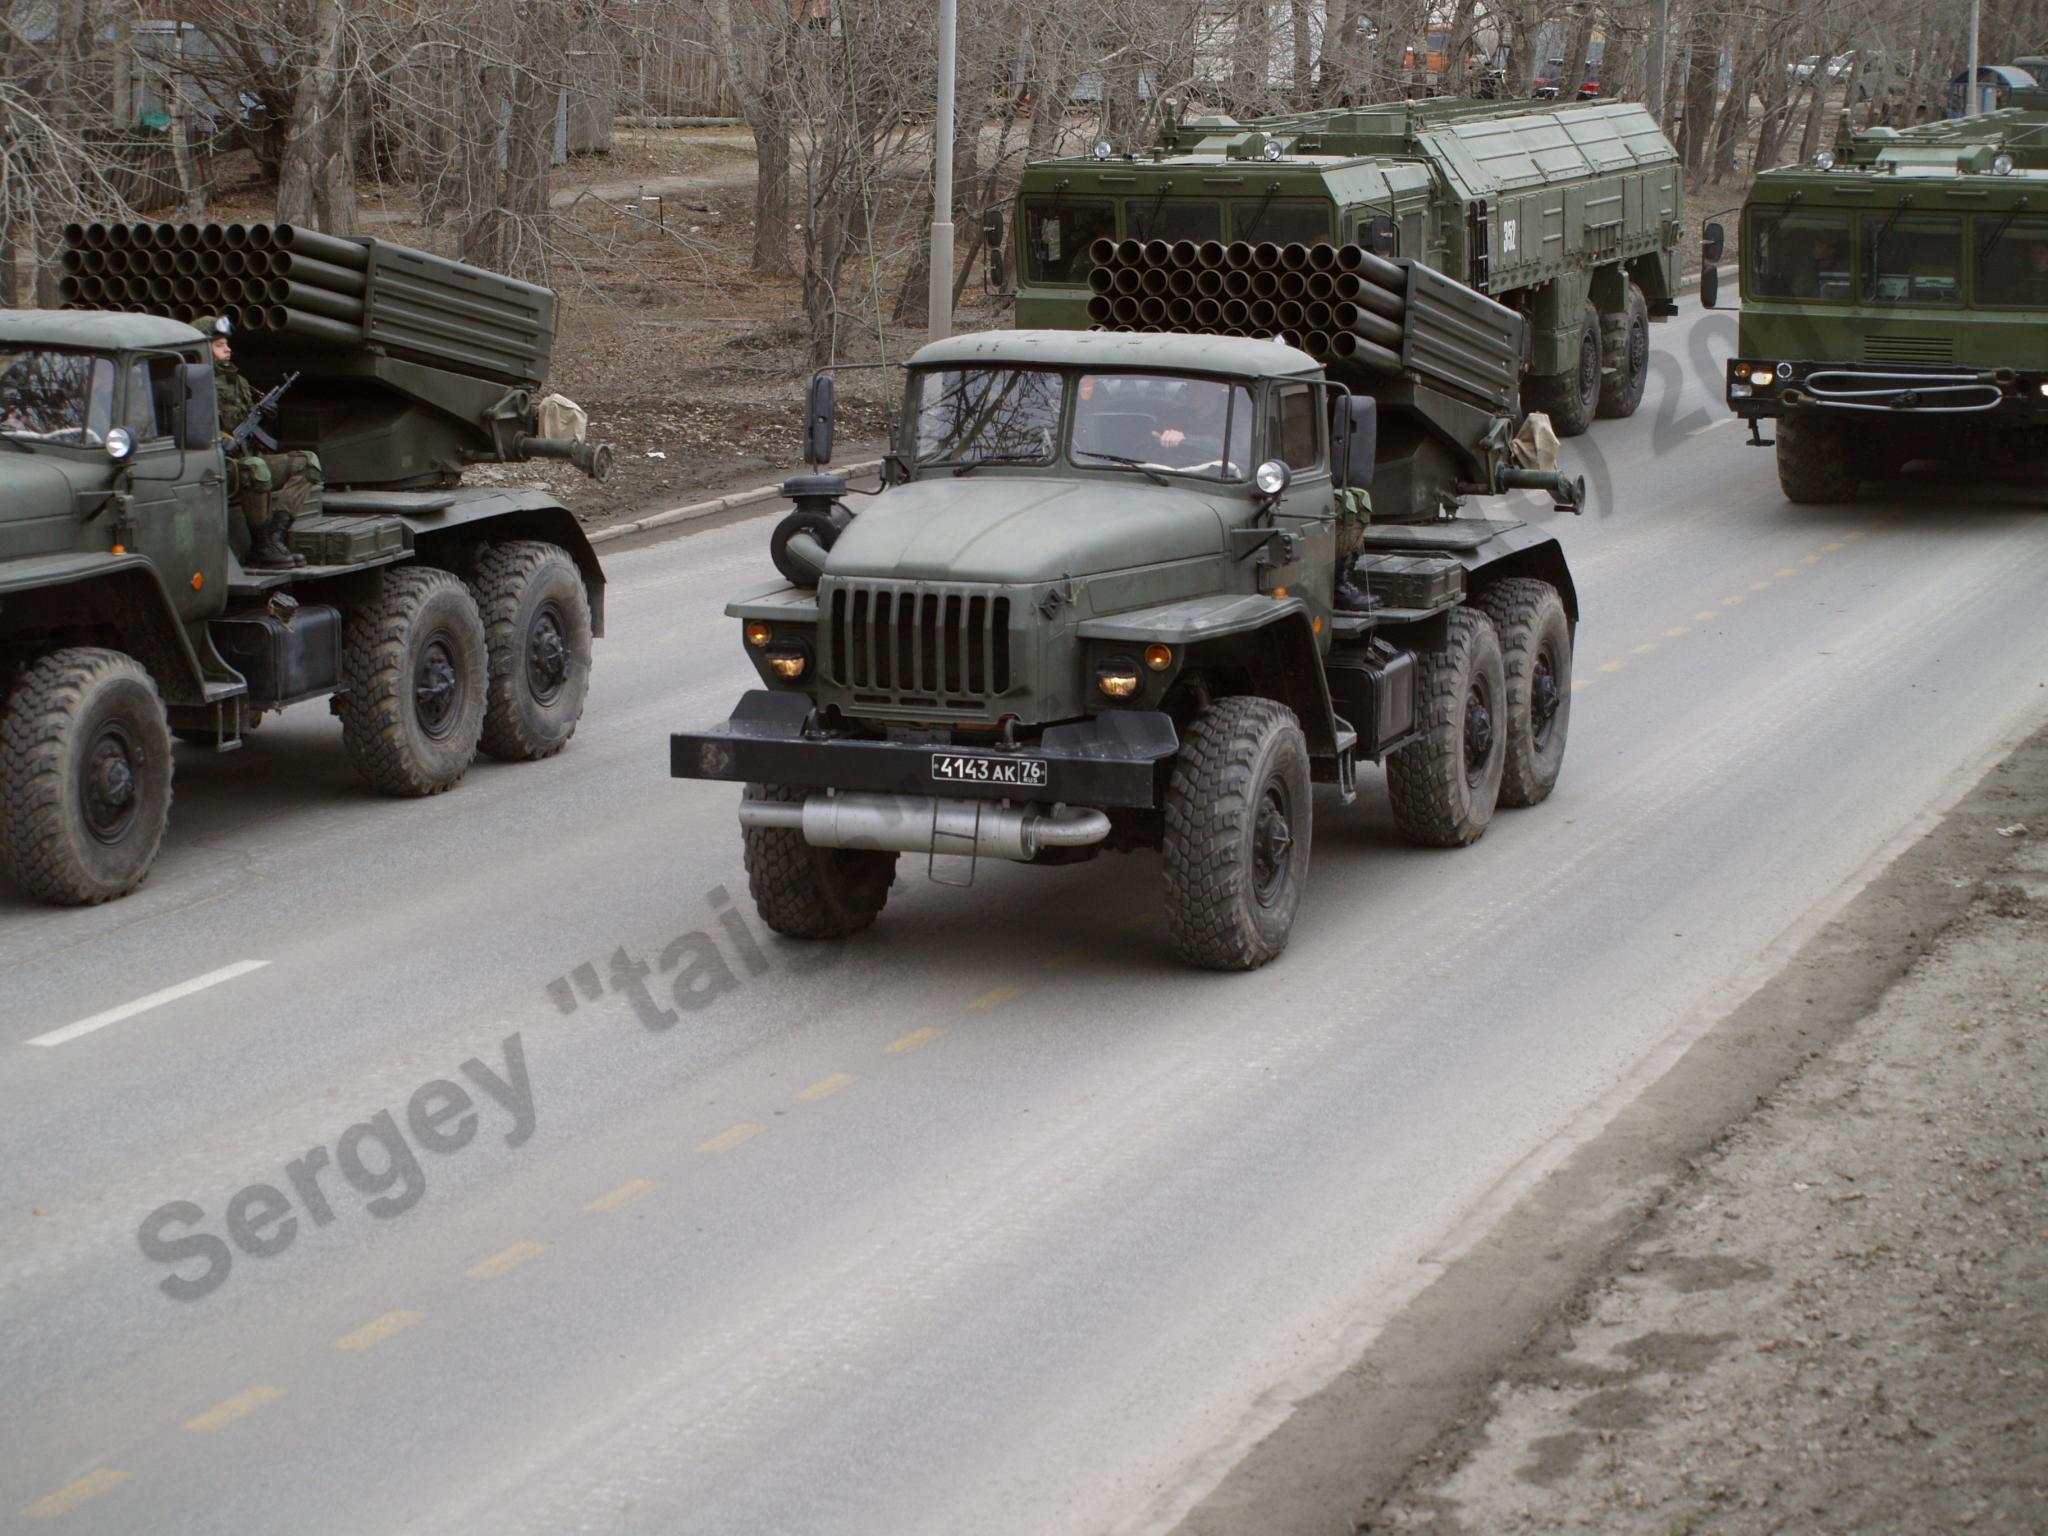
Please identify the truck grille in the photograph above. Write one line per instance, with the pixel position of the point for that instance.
(1908, 349)
(917, 644)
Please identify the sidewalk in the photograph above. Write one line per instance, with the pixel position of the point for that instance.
(1799, 1284)
(1838, 1322)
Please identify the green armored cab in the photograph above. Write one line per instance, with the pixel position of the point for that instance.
(437, 618)
(1894, 294)
(1128, 592)
(1567, 213)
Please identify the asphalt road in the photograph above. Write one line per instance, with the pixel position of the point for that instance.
(995, 1220)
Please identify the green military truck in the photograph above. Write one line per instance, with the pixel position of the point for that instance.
(436, 617)
(1568, 213)
(1894, 291)
(1118, 593)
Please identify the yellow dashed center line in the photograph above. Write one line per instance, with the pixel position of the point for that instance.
(1854, 534)
(1612, 666)
(1065, 958)
(1832, 547)
(1644, 649)
(71, 1495)
(239, 1406)
(1788, 571)
(1579, 684)
(504, 1263)
(997, 998)
(725, 1141)
(1809, 559)
(911, 1041)
(1731, 602)
(1759, 586)
(624, 1195)
(1676, 630)
(825, 1087)
(1706, 614)
(378, 1331)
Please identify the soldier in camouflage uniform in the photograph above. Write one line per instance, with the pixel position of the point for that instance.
(273, 487)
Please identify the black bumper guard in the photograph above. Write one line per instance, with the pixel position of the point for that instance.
(1107, 760)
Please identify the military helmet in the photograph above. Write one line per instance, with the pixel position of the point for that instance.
(211, 326)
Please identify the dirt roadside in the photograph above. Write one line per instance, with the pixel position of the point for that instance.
(1801, 1284)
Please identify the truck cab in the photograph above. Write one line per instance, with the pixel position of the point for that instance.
(1893, 291)
(1121, 592)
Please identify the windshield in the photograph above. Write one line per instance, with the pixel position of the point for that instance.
(56, 397)
(2012, 262)
(987, 415)
(1912, 258)
(1800, 256)
(1188, 426)
(1057, 235)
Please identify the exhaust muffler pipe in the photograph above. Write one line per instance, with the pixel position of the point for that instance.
(922, 824)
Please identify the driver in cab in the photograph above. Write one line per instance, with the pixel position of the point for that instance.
(1194, 434)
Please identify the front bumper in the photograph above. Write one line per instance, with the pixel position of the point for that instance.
(1107, 760)
(1874, 390)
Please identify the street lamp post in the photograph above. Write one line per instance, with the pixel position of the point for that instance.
(940, 302)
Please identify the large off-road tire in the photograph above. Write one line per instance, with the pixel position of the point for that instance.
(1624, 355)
(537, 628)
(1238, 821)
(413, 660)
(85, 777)
(1817, 460)
(812, 893)
(1445, 784)
(1569, 398)
(1536, 652)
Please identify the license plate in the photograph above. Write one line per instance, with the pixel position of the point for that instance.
(960, 768)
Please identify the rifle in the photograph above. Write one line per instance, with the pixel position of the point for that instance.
(252, 424)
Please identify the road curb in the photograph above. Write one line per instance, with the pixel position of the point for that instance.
(711, 508)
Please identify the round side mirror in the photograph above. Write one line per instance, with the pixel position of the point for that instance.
(119, 444)
(1272, 477)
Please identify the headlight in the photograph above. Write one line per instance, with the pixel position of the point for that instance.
(791, 666)
(1738, 391)
(1118, 685)
(1761, 378)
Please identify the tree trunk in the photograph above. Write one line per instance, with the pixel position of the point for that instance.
(1333, 68)
(315, 176)
(530, 139)
(1302, 92)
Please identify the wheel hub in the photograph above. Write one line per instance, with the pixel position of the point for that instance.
(1544, 697)
(1478, 735)
(547, 657)
(1272, 845)
(437, 688)
(107, 791)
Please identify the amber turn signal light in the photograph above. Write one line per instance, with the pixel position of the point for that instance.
(759, 634)
(1158, 657)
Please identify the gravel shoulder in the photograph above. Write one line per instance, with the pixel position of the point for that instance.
(1797, 1286)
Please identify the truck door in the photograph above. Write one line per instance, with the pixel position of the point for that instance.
(180, 502)
(1295, 434)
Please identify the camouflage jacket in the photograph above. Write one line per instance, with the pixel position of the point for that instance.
(236, 396)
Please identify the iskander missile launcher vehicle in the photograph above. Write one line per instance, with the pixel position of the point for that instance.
(1121, 592)
(1894, 291)
(1568, 213)
(438, 618)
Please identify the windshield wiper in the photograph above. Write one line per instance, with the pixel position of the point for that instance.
(997, 458)
(1138, 464)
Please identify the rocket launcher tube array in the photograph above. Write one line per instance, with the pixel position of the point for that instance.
(293, 283)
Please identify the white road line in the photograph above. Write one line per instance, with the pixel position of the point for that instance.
(144, 1004)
